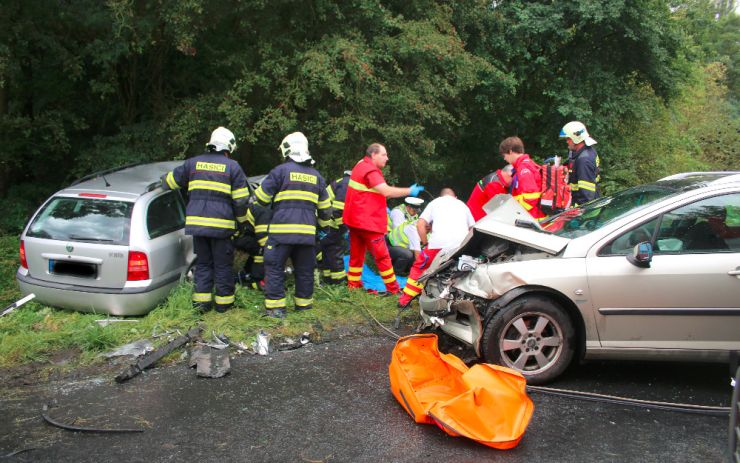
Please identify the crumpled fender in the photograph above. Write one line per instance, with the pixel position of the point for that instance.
(486, 403)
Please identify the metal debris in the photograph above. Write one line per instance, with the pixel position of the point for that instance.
(17, 304)
(262, 346)
(149, 359)
(210, 362)
(136, 348)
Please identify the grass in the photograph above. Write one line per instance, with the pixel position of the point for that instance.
(34, 332)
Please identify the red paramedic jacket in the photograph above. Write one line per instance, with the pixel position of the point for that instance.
(364, 207)
(486, 188)
(526, 185)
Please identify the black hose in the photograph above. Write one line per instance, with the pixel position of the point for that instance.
(593, 397)
(70, 427)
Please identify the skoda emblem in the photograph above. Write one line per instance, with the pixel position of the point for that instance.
(70, 248)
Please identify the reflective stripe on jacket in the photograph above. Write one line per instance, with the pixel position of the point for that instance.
(217, 194)
(526, 185)
(297, 192)
(365, 207)
(584, 176)
(337, 190)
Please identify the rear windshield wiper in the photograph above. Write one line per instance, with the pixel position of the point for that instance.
(86, 238)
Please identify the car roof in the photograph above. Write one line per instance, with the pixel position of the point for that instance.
(691, 180)
(127, 181)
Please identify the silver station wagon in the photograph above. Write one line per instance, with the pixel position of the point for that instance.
(650, 273)
(111, 243)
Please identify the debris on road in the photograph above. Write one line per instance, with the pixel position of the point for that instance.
(210, 362)
(135, 349)
(16, 304)
(262, 345)
(151, 358)
(291, 344)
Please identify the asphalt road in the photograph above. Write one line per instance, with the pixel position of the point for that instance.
(332, 403)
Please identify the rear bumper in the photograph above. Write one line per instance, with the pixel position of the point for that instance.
(112, 301)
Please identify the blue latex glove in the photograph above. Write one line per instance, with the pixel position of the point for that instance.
(416, 189)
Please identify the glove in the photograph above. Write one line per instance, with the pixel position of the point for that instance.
(322, 234)
(416, 189)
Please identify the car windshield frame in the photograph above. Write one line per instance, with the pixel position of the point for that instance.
(600, 212)
(93, 225)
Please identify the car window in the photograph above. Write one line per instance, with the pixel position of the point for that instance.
(706, 226)
(602, 211)
(83, 219)
(165, 215)
(624, 243)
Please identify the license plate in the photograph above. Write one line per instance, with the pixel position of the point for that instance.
(72, 268)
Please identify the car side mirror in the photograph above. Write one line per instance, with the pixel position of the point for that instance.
(642, 255)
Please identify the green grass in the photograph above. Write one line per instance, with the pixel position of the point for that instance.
(34, 332)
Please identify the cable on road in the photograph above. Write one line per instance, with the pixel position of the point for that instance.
(379, 324)
(594, 397)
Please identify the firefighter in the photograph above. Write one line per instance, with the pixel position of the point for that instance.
(366, 218)
(526, 179)
(296, 192)
(406, 211)
(217, 199)
(493, 184)
(252, 238)
(583, 161)
(332, 238)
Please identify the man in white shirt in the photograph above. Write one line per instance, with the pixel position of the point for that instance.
(450, 221)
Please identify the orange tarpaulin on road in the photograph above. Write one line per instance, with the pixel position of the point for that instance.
(486, 403)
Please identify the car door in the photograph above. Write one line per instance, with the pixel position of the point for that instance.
(689, 297)
(165, 219)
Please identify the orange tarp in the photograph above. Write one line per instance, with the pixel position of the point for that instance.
(486, 403)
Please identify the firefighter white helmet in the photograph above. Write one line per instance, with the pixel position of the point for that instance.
(577, 132)
(295, 147)
(222, 140)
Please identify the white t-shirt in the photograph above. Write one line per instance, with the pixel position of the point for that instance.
(397, 217)
(413, 235)
(450, 219)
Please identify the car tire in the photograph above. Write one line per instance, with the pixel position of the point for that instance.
(532, 335)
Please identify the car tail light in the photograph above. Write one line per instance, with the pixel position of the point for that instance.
(24, 262)
(138, 266)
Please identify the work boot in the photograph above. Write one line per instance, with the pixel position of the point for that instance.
(221, 308)
(203, 307)
(275, 313)
(303, 308)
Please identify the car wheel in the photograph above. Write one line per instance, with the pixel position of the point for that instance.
(533, 335)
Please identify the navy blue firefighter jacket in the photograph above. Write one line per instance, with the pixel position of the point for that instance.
(297, 192)
(217, 194)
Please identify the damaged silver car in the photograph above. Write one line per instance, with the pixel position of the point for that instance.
(651, 273)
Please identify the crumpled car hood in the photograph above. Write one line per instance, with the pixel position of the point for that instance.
(507, 219)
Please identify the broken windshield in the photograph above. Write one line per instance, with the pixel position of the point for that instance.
(593, 215)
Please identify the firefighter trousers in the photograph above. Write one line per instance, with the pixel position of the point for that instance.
(361, 241)
(303, 257)
(213, 266)
(332, 252)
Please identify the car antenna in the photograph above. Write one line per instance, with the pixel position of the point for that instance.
(105, 180)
